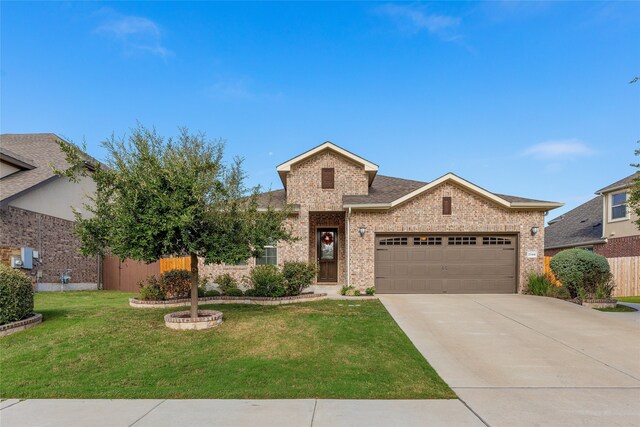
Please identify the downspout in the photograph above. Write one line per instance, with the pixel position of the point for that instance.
(348, 247)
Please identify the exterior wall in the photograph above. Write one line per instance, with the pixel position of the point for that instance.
(613, 248)
(618, 228)
(57, 197)
(55, 241)
(470, 213)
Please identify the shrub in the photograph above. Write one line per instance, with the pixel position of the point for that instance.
(226, 282)
(356, 293)
(152, 289)
(212, 293)
(298, 276)
(250, 293)
(348, 291)
(370, 291)
(267, 281)
(560, 292)
(539, 284)
(234, 292)
(16, 295)
(176, 283)
(579, 268)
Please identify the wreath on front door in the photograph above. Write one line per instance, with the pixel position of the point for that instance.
(327, 238)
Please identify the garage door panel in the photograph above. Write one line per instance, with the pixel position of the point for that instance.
(453, 264)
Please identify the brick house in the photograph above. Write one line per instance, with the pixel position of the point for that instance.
(36, 211)
(606, 226)
(401, 236)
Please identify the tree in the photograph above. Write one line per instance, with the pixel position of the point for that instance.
(634, 193)
(157, 197)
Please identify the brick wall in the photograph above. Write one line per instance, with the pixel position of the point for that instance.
(470, 213)
(53, 238)
(613, 248)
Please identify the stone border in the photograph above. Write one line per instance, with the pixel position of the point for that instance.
(136, 303)
(206, 319)
(600, 303)
(20, 325)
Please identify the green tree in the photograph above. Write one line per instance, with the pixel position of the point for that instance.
(160, 196)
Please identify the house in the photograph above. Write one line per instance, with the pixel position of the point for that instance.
(607, 226)
(401, 236)
(36, 212)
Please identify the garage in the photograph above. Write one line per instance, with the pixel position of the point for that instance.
(446, 263)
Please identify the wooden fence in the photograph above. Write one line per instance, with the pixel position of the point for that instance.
(626, 274)
(126, 275)
(181, 263)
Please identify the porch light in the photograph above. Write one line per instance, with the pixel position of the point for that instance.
(534, 230)
(362, 229)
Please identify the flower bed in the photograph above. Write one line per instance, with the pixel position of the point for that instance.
(600, 303)
(181, 321)
(136, 303)
(19, 325)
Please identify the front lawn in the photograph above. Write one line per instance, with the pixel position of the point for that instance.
(93, 345)
(629, 299)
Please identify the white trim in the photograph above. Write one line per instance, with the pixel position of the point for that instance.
(610, 205)
(369, 167)
(463, 183)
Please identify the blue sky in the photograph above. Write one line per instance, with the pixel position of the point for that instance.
(530, 99)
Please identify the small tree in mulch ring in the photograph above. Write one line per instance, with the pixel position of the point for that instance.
(171, 196)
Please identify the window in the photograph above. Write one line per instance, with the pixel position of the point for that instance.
(446, 206)
(394, 241)
(270, 256)
(462, 240)
(428, 241)
(327, 178)
(618, 206)
(496, 241)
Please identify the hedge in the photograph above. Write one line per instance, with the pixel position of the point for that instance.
(16, 295)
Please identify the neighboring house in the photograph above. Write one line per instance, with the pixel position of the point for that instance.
(36, 211)
(401, 236)
(605, 225)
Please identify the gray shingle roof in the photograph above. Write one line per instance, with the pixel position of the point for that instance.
(385, 189)
(624, 182)
(37, 149)
(578, 226)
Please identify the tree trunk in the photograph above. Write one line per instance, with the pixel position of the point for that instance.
(194, 286)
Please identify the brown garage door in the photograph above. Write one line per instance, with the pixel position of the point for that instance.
(452, 264)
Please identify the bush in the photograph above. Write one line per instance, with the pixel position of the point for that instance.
(348, 291)
(250, 293)
(234, 292)
(212, 293)
(539, 284)
(580, 271)
(226, 282)
(16, 295)
(176, 283)
(298, 276)
(267, 281)
(370, 291)
(152, 289)
(356, 293)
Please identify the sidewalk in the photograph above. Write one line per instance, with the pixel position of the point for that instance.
(234, 413)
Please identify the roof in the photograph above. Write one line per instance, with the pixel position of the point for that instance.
(618, 185)
(386, 192)
(385, 189)
(369, 167)
(579, 226)
(37, 152)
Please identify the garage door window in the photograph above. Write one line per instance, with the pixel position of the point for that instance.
(462, 240)
(496, 241)
(427, 240)
(394, 241)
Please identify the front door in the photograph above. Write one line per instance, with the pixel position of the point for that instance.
(327, 239)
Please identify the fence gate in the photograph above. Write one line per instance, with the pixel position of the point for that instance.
(125, 275)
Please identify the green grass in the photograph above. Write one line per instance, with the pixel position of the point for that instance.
(618, 309)
(93, 345)
(629, 299)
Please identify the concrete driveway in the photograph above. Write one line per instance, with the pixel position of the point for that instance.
(519, 360)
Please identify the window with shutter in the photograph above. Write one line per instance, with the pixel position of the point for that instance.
(327, 178)
(446, 206)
